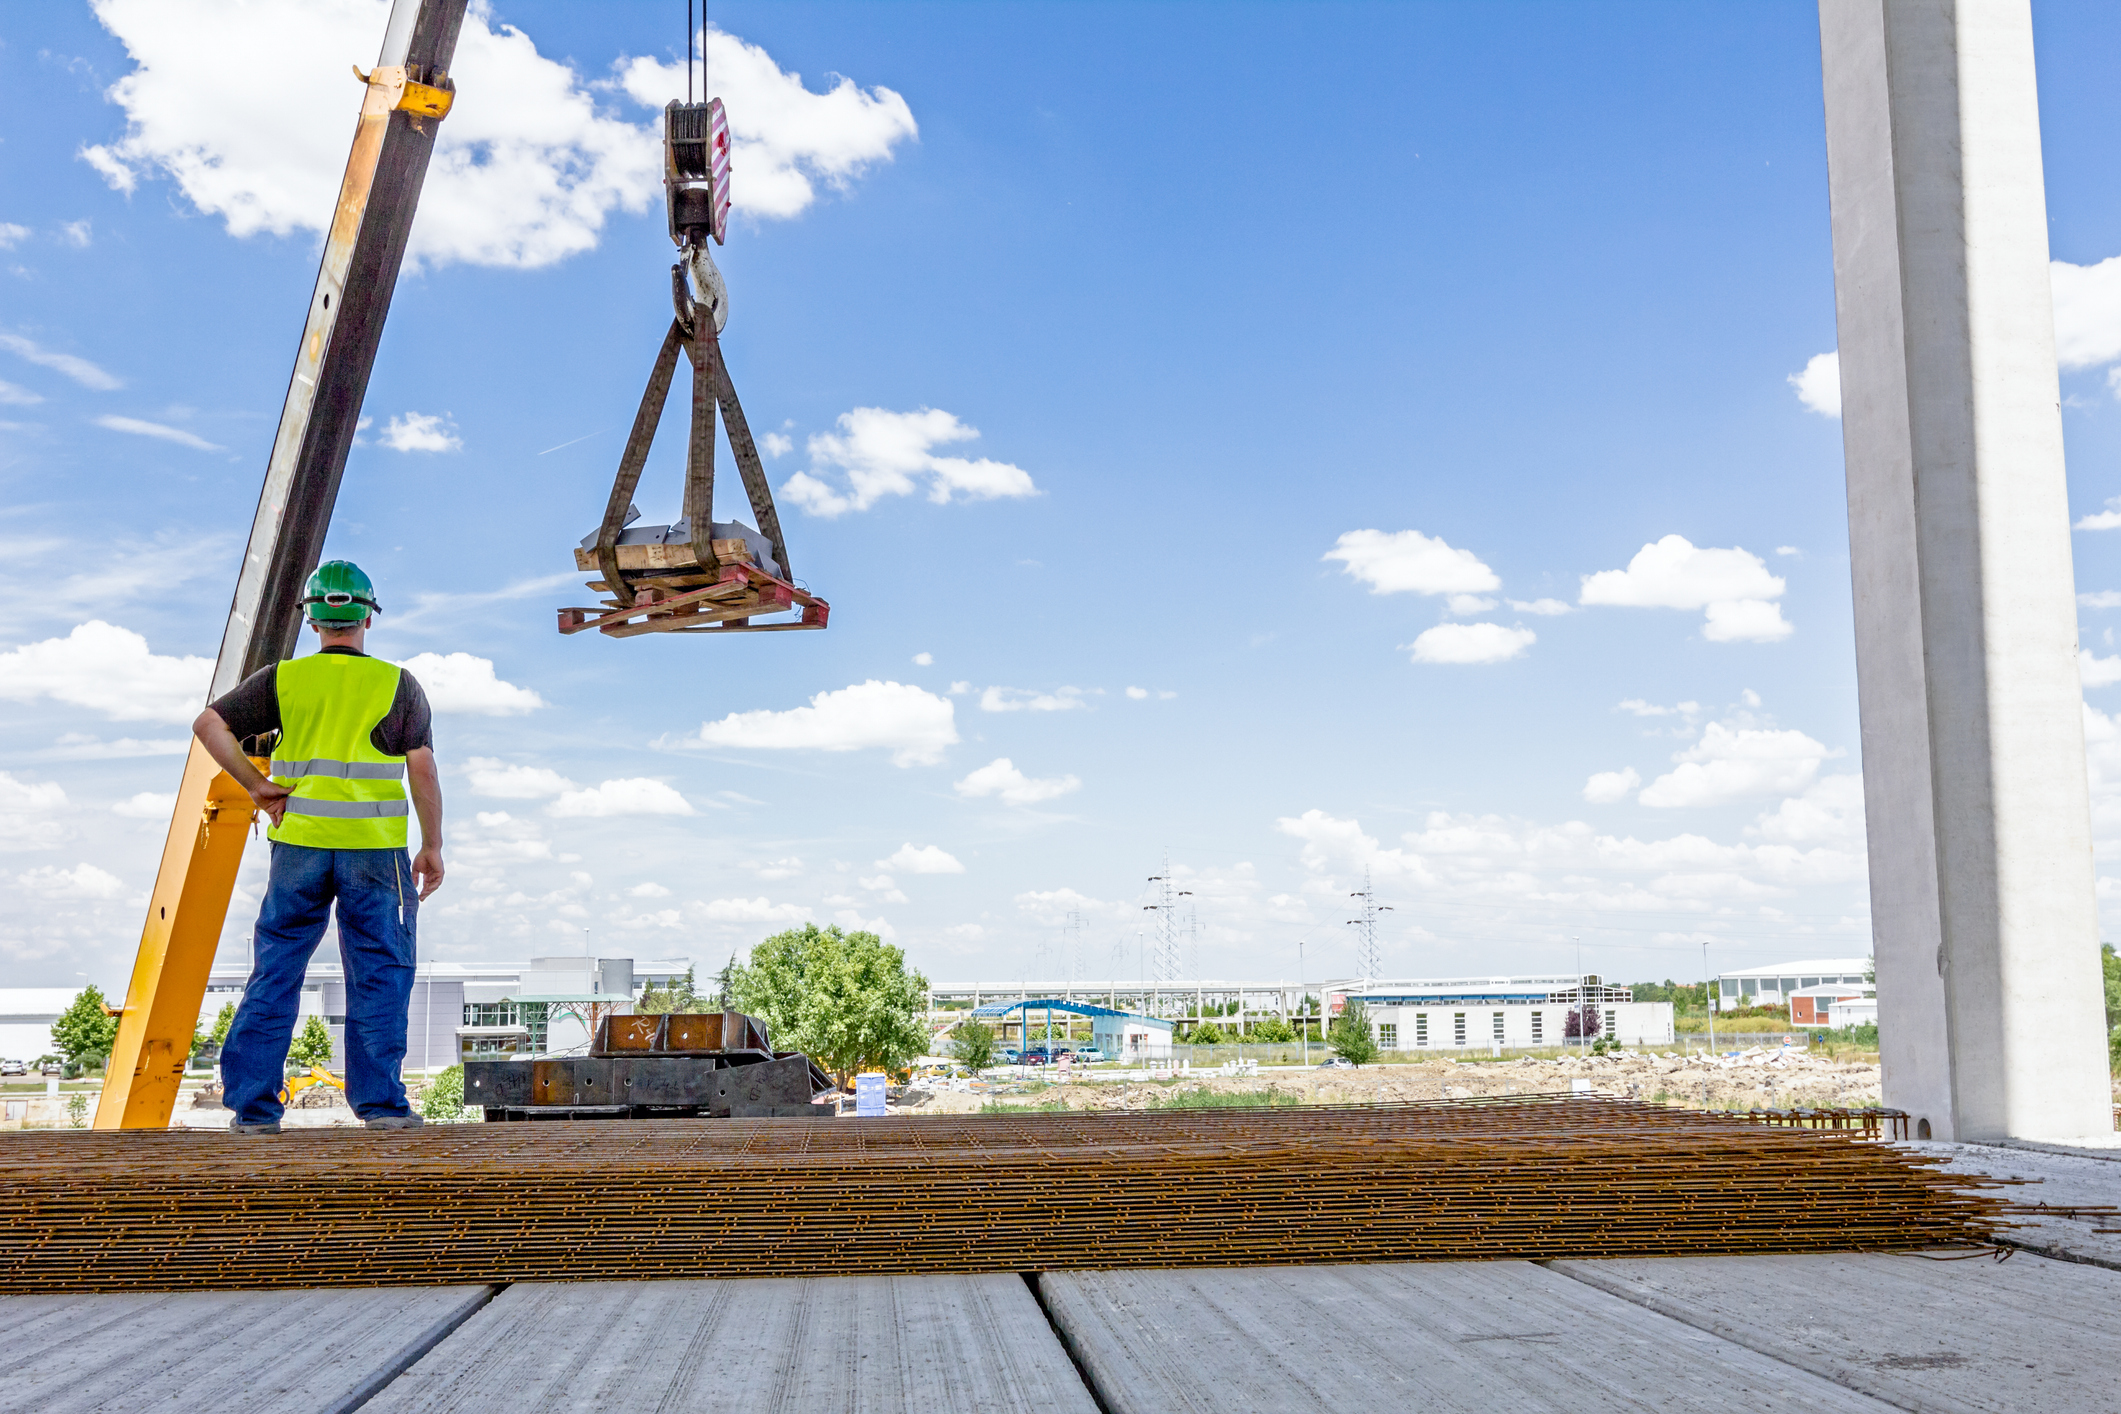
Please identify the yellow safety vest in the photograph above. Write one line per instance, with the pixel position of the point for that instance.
(347, 794)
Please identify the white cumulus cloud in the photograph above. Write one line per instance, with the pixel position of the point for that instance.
(1606, 787)
(883, 453)
(753, 910)
(421, 432)
(2096, 671)
(1818, 385)
(460, 682)
(784, 139)
(147, 805)
(1000, 777)
(1733, 586)
(1732, 762)
(1472, 643)
(1829, 812)
(527, 167)
(1408, 562)
(83, 881)
(632, 796)
(2108, 519)
(110, 670)
(912, 724)
(507, 781)
(922, 859)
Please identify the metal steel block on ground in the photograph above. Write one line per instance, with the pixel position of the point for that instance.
(1530, 1177)
(894, 1345)
(1919, 1333)
(232, 1352)
(1439, 1337)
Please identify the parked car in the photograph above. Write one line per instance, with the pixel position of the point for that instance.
(1336, 1063)
(13, 1067)
(1090, 1055)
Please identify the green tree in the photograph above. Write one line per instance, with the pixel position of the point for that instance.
(222, 1021)
(2110, 964)
(1207, 1033)
(973, 1043)
(847, 999)
(725, 985)
(1350, 1035)
(1272, 1031)
(84, 1032)
(312, 1044)
(676, 995)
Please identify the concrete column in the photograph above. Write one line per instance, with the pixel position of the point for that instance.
(1979, 817)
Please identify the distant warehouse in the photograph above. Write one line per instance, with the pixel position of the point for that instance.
(1481, 1013)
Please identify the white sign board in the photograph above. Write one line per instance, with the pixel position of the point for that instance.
(869, 1095)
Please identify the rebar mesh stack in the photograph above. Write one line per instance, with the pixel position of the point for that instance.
(1529, 1177)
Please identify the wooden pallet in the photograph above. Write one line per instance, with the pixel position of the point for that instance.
(663, 557)
(727, 605)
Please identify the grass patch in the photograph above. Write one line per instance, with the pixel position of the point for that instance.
(1222, 1100)
(1043, 1107)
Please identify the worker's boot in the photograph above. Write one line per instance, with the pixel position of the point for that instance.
(236, 1126)
(395, 1122)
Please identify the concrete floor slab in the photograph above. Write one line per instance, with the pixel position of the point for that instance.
(1954, 1336)
(287, 1352)
(864, 1345)
(2059, 1178)
(1480, 1337)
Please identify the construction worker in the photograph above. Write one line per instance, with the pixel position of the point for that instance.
(353, 731)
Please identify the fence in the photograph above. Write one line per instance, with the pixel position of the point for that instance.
(1292, 1052)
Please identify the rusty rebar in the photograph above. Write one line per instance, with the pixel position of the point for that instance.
(1520, 1177)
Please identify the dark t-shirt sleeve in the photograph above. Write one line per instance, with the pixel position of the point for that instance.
(253, 707)
(410, 724)
(253, 710)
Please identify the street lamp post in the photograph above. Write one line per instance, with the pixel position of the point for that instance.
(1708, 1001)
(1303, 1026)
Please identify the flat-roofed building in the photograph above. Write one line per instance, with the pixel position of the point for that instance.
(464, 1012)
(1484, 1013)
(1773, 986)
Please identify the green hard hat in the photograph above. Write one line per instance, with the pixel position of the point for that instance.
(340, 593)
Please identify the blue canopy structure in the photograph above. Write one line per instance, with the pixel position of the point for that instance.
(998, 1010)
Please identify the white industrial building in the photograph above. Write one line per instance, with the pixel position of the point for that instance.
(26, 1017)
(462, 1012)
(1773, 986)
(1483, 1013)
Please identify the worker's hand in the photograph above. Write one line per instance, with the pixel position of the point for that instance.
(271, 799)
(427, 869)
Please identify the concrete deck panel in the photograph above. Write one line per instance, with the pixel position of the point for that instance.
(2056, 1177)
(232, 1352)
(864, 1345)
(1949, 1336)
(1442, 1337)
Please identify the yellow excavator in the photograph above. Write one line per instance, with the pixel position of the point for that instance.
(686, 582)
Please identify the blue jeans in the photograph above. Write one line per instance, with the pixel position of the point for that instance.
(378, 913)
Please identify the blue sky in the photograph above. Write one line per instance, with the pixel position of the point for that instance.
(1361, 364)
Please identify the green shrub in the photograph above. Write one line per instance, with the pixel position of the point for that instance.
(1273, 1031)
(443, 1100)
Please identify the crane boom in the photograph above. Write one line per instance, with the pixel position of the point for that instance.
(405, 97)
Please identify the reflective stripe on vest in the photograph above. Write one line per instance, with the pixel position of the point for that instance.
(345, 794)
(346, 809)
(344, 770)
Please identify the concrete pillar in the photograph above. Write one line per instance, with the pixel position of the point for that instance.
(1979, 820)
